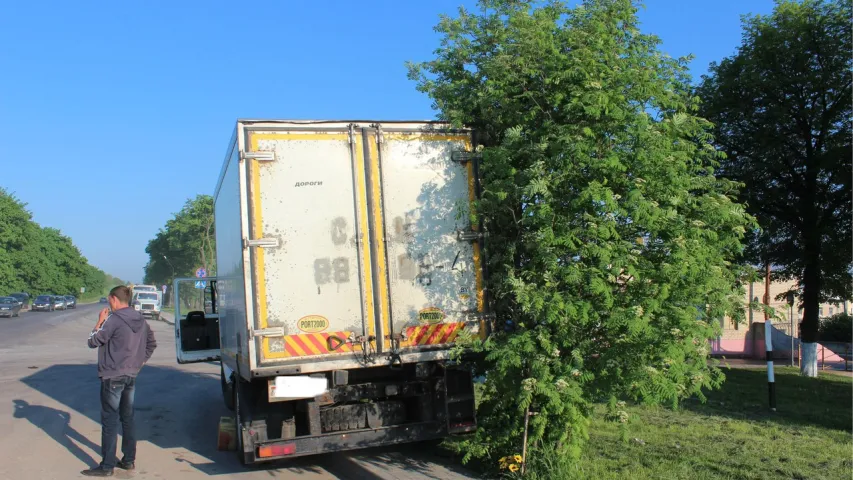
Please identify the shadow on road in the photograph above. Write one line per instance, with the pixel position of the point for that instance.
(57, 424)
(175, 409)
(411, 457)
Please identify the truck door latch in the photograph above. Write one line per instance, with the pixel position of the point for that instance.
(469, 235)
(259, 156)
(260, 242)
(268, 332)
(461, 156)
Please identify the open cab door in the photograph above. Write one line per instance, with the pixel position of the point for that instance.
(196, 319)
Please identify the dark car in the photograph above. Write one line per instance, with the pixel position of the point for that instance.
(9, 307)
(103, 300)
(22, 298)
(43, 303)
(71, 301)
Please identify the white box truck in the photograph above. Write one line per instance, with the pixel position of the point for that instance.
(347, 266)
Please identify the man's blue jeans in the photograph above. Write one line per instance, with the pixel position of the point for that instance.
(117, 403)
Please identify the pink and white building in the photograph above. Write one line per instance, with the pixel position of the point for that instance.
(740, 340)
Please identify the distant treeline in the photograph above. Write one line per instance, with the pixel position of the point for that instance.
(38, 260)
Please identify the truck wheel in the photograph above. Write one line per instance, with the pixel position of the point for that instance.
(227, 388)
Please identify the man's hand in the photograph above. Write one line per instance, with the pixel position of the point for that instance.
(102, 317)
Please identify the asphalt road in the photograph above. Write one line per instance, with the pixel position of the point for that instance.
(50, 415)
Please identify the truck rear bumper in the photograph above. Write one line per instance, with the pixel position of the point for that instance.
(333, 442)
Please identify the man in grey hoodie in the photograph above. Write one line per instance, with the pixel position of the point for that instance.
(125, 342)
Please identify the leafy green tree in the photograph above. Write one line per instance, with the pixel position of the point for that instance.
(39, 260)
(611, 241)
(782, 109)
(16, 226)
(185, 243)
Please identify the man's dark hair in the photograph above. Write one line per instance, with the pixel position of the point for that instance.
(121, 293)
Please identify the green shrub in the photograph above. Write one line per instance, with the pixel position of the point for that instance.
(837, 328)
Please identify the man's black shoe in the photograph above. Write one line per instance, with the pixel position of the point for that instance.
(125, 465)
(97, 472)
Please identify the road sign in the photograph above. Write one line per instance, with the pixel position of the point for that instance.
(164, 288)
(200, 284)
(82, 289)
(201, 273)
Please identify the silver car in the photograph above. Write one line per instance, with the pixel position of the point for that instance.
(59, 303)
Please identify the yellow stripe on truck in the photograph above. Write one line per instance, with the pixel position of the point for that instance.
(367, 270)
(258, 232)
(378, 227)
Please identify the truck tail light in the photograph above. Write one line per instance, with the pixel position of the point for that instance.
(277, 450)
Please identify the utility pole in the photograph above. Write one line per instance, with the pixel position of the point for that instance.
(171, 296)
(791, 314)
(768, 340)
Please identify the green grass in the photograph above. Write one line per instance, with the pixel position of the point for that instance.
(732, 436)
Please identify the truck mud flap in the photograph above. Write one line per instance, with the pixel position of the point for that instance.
(333, 442)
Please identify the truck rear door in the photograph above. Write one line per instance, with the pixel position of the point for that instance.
(310, 263)
(435, 272)
(361, 241)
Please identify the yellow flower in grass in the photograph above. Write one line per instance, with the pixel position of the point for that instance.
(513, 468)
(517, 458)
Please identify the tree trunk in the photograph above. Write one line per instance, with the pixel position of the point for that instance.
(203, 259)
(811, 235)
(211, 254)
(811, 304)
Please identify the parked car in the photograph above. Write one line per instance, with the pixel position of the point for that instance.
(22, 298)
(71, 301)
(147, 303)
(103, 300)
(9, 307)
(43, 303)
(59, 303)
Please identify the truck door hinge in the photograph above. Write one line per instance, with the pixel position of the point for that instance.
(268, 332)
(260, 242)
(259, 156)
(469, 235)
(380, 137)
(351, 134)
(462, 156)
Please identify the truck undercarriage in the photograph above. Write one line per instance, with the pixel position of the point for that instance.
(372, 406)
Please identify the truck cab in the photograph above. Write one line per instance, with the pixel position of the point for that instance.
(147, 303)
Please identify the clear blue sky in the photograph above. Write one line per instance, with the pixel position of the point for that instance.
(113, 113)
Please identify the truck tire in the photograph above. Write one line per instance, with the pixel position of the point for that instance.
(227, 388)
